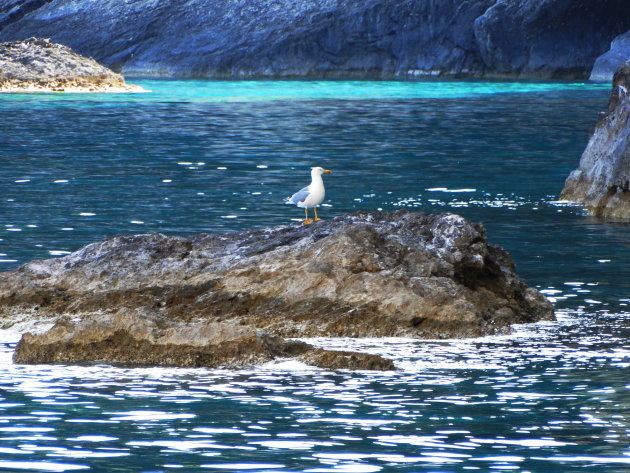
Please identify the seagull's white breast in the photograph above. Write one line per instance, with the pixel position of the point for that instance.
(315, 196)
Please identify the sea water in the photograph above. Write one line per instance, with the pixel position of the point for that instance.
(210, 156)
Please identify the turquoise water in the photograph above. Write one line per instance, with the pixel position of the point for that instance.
(194, 156)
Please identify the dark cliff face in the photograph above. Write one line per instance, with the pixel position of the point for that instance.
(548, 38)
(327, 38)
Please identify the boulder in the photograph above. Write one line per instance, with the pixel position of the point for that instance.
(358, 275)
(327, 38)
(606, 64)
(39, 65)
(602, 181)
(141, 337)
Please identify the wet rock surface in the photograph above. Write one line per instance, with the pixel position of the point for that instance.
(602, 181)
(144, 338)
(328, 38)
(360, 275)
(39, 65)
(330, 359)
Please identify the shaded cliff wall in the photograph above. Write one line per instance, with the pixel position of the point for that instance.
(327, 38)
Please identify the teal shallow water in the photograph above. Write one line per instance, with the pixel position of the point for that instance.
(221, 156)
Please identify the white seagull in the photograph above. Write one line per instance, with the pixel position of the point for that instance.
(310, 197)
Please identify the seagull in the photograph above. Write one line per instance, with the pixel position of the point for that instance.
(310, 197)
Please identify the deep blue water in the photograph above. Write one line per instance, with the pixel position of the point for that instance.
(221, 156)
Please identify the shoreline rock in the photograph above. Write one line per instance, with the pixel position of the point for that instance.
(359, 275)
(602, 181)
(38, 65)
(144, 338)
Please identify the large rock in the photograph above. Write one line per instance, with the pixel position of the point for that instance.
(606, 64)
(39, 65)
(143, 338)
(327, 38)
(548, 38)
(602, 181)
(360, 275)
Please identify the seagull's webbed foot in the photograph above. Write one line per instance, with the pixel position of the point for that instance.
(317, 219)
(307, 221)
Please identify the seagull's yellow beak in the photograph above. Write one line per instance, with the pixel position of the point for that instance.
(327, 171)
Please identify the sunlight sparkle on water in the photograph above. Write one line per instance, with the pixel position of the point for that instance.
(190, 154)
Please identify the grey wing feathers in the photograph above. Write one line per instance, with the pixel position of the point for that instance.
(299, 196)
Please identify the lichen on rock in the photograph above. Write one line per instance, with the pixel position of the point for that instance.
(39, 65)
(602, 181)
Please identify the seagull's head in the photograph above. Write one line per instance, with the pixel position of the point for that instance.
(318, 171)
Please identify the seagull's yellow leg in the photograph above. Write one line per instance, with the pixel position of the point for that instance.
(306, 219)
(317, 219)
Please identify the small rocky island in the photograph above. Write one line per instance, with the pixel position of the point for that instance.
(39, 65)
(227, 299)
(602, 181)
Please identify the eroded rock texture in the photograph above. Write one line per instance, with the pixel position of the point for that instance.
(142, 337)
(361, 275)
(327, 38)
(37, 64)
(602, 182)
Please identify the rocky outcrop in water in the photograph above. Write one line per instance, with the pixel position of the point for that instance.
(143, 338)
(39, 65)
(361, 275)
(602, 181)
(606, 64)
(328, 38)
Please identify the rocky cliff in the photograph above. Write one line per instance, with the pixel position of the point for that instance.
(327, 38)
(361, 275)
(606, 64)
(602, 181)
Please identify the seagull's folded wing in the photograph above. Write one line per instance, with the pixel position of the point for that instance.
(299, 196)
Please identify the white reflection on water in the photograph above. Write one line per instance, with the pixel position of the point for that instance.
(508, 401)
(40, 466)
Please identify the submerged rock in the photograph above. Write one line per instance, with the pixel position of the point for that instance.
(602, 182)
(328, 38)
(360, 275)
(39, 65)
